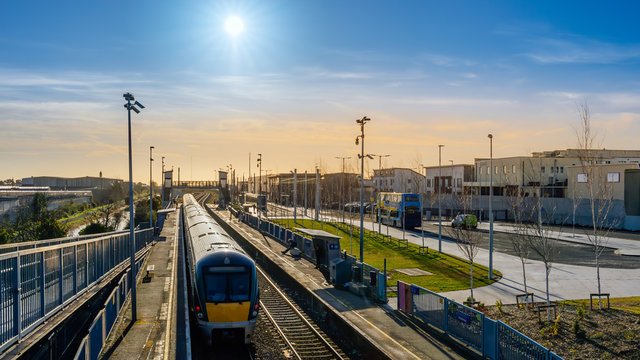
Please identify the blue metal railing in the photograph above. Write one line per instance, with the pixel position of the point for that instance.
(493, 339)
(37, 282)
(377, 288)
(103, 323)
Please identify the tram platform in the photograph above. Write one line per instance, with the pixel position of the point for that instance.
(381, 324)
(153, 334)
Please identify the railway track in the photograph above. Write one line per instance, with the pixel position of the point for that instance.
(302, 338)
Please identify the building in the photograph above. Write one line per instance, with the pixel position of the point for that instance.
(547, 171)
(79, 183)
(401, 180)
(449, 179)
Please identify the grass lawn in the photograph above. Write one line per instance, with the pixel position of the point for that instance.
(448, 272)
(631, 304)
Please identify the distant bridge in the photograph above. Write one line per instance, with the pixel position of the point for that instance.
(195, 185)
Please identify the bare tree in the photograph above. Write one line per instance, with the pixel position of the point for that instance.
(599, 191)
(468, 241)
(520, 241)
(541, 236)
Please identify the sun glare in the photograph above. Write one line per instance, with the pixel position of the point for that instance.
(234, 25)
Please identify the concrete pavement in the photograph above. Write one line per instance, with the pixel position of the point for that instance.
(565, 281)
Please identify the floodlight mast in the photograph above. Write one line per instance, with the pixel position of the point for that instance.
(362, 122)
(129, 97)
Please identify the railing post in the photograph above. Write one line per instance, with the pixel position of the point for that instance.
(43, 309)
(446, 316)
(17, 308)
(61, 292)
(86, 265)
(75, 269)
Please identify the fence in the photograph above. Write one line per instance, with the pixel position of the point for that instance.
(100, 328)
(35, 283)
(377, 288)
(493, 339)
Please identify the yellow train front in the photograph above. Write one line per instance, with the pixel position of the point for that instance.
(224, 282)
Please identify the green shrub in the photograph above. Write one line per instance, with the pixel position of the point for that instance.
(499, 305)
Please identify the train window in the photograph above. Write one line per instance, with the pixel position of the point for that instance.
(411, 198)
(227, 284)
(216, 287)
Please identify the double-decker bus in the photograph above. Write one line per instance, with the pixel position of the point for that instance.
(400, 209)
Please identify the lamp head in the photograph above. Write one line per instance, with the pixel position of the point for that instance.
(357, 141)
(128, 97)
(490, 136)
(140, 105)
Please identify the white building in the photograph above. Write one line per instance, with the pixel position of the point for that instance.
(449, 179)
(401, 180)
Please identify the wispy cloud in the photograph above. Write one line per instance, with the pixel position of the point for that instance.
(580, 51)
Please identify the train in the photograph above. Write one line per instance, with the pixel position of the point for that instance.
(224, 283)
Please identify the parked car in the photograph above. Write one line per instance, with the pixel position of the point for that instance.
(465, 221)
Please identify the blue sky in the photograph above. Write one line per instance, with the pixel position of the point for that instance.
(292, 84)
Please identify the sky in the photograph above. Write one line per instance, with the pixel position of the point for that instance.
(292, 84)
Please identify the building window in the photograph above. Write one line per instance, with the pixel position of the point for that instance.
(459, 182)
(513, 169)
(613, 177)
(504, 169)
(428, 182)
(408, 181)
(542, 169)
(495, 170)
(582, 178)
(561, 169)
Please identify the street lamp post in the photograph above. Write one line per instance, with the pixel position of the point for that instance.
(360, 137)
(295, 195)
(162, 186)
(259, 174)
(424, 192)
(490, 136)
(129, 106)
(151, 224)
(439, 197)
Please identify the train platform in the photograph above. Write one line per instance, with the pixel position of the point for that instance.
(154, 334)
(381, 324)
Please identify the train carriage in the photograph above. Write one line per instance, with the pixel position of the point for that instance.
(224, 282)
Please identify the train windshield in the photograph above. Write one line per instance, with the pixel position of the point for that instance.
(227, 284)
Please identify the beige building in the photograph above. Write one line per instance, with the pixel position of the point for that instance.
(609, 181)
(401, 180)
(449, 179)
(548, 169)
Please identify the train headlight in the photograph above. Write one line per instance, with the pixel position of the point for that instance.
(254, 313)
(200, 316)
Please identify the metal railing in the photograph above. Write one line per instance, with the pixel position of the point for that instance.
(493, 339)
(92, 344)
(37, 282)
(377, 289)
(11, 247)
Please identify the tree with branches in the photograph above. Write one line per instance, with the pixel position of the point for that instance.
(598, 192)
(468, 240)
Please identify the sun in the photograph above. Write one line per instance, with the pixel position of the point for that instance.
(234, 25)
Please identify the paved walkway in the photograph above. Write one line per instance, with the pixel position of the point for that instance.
(565, 281)
(152, 336)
